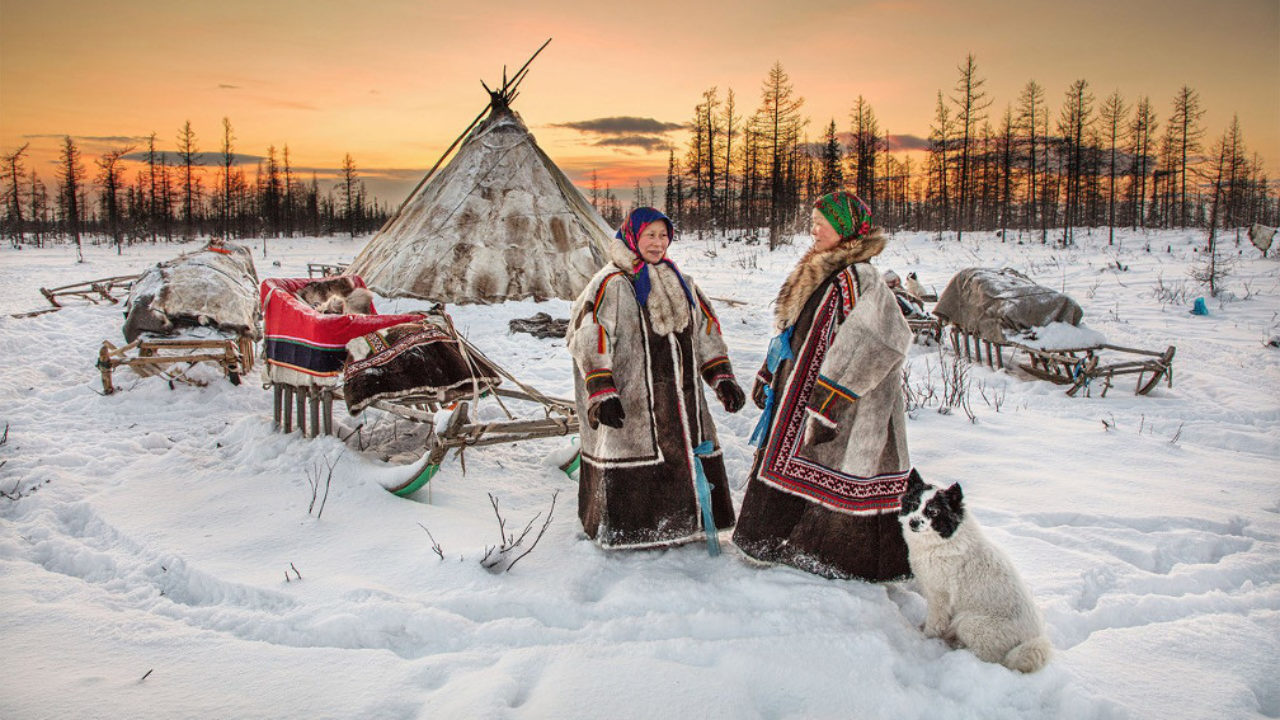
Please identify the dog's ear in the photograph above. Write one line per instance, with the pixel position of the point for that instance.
(915, 483)
(955, 497)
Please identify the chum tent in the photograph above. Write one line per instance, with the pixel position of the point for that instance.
(499, 222)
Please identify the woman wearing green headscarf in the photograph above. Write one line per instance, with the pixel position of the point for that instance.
(832, 464)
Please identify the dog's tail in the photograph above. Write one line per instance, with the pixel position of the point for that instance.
(1029, 656)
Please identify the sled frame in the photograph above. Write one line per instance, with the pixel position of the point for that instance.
(324, 270)
(312, 409)
(1075, 367)
(94, 291)
(171, 359)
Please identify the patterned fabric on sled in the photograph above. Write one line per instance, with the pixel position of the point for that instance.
(305, 347)
(417, 359)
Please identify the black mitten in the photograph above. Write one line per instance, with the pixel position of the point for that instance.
(731, 395)
(608, 411)
(757, 392)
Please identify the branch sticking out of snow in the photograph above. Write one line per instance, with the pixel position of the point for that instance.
(435, 546)
(503, 557)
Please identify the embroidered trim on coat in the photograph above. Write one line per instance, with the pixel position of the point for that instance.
(786, 470)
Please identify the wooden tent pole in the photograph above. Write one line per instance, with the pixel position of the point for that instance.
(515, 81)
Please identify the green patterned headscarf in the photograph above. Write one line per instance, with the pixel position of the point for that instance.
(846, 212)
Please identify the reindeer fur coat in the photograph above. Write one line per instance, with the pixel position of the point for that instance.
(637, 482)
(831, 507)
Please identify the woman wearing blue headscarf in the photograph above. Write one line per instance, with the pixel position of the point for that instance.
(643, 340)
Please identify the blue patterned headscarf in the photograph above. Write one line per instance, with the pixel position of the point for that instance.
(629, 234)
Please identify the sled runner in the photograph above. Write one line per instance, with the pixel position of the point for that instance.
(196, 308)
(415, 367)
(990, 311)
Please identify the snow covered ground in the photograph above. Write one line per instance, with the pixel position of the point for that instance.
(160, 561)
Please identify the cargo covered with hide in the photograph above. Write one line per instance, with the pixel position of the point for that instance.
(212, 287)
(1004, 306)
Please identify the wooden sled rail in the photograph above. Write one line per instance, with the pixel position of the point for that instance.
(460, 433)
(1075, 367)
(166, 358)
(324, 270)
(311, 409)
(94, 291)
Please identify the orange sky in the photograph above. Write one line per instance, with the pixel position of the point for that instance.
(393, 82)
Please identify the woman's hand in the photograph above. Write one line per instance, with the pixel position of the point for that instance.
(608, 411)
(730, 395)
(757, 390)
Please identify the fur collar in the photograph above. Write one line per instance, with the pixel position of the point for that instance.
(668, 306)
(622, 257)
(813, 269)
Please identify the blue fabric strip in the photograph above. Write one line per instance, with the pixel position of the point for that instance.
(704, 497)
(779, 350)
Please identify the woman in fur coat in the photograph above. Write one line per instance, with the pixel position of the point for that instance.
(643, 339)
(826, 484)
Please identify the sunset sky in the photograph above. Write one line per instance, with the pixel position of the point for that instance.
(393, 82)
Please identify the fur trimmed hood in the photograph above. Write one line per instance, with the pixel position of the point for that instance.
(669, 309)
(622, 257)
(814, 268)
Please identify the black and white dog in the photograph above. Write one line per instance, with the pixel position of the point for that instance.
(976, 599)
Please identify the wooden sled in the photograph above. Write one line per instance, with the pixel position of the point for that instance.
(311, 409)
(463, 431)
(324, 270)
(95, 291)
(304, 399)
(925, 331)
(171, 358)
(1074, 367)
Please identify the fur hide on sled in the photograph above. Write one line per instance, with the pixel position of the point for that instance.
(419, 359)
(212, 287)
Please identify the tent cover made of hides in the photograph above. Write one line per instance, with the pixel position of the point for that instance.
(499, 222)
(1004, 306)
(305, 347)
(211, 287)
(419, 359)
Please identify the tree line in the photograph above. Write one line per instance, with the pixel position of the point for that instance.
(1109, 163)
(182, 194)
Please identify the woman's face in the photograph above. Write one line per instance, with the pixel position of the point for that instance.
(653, 242)
(825, 237)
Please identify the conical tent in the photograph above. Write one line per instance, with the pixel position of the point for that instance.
(499, 222)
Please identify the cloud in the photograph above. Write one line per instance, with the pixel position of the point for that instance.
(623, 125)
(897, 143)
(90, 138)
(648, 143)
(228, 86)
(907, 142)
(623, 133)
(203, 159)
